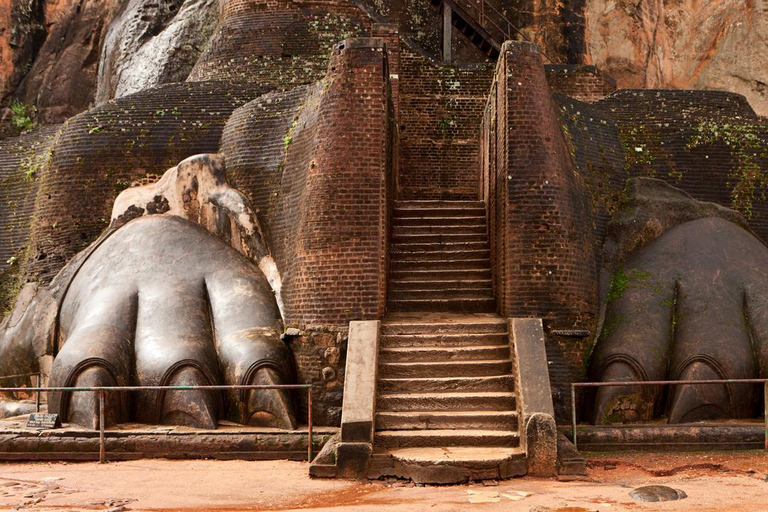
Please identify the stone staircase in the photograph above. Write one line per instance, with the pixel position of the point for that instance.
(447, 408)
(440, 258)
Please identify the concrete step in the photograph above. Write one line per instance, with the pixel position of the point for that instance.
(435, 354)
(458, 401)
(466, 304)
(443, 340)
(446, 369)
(465, 229)
(389, 439)
(447, 420)
(440, 284)
(438, 238)
(445, 245)
(443, 324)
(440, 275)
(440, 222)
(473, 254)
(496, 383)
(448, 465)
(459, 264)
(440, 203)
(408, 293)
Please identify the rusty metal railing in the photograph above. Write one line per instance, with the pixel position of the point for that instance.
(493, 21)
(575, 385)
(38, 377)
(104, 390)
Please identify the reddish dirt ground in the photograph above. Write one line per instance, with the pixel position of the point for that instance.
(730, 481)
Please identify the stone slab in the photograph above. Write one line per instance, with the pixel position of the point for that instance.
(359, 406)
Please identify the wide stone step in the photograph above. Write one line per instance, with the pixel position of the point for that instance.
(440, 221)
(446, 369)
(435, 354)
(448, 238)
(440, 275)
(466, 304)
(474, 254)
(440, 246)
(389, 439)
(445, 324)
(447, 420)
(407, 293)
(444, 340)
(465, 229)
(439, 203)
(463, 264)
(496, 383)
(458, 401)
(448, 465)
(439, 284)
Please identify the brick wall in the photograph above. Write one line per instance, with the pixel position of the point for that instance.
(99, 153)
(22, 162)
(540, 212)
(440, 111)
(581, 82)
(282, 43)
(315, 162)
(710, 144)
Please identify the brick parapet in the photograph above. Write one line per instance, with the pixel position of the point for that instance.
(540, 212)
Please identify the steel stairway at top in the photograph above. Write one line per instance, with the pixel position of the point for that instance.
(480, 22)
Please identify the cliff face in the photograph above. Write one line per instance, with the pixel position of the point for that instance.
(54, 54)
(678, 44)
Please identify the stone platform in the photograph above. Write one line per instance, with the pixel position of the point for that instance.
(744, 435)
(135, 441)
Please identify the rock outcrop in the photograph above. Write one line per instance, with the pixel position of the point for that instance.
(682, 44)
(152, 43)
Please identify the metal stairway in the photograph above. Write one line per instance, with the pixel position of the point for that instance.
(480, 22)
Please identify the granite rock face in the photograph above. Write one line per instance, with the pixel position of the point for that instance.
(51, 52)
(152, 43)
(682, 44)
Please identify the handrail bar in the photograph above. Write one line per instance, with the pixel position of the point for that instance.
(575, 385)
(38, 379)
(103, 390)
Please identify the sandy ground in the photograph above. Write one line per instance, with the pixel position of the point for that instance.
(728, 481)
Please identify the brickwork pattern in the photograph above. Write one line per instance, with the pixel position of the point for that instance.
(543, 243)
(100, 152)
(440, 112)
(703, 142)
(320, 176)
(581, 82)
(282, 43)
(22, 162)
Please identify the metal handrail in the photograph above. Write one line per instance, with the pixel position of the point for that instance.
(38, 377)
(106, 389)
(481, 7)
(575, 385)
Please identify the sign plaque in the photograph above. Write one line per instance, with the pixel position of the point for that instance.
(43, 421)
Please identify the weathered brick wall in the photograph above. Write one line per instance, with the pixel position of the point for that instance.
(99, 153)
(579, 81)
(315, 162)
(282, 43)
(543, 243)
(440, 111)
(710, 144)
(22, 162)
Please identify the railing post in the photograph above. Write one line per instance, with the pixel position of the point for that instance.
(37, 394)
(309, 421)
(447, 31)
(573, 415)
(102, 447)
(765, 412)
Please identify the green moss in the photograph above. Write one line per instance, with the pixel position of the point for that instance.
(21, 115)
(748, 181)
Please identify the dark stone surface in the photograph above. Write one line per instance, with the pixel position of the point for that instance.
(687, 302)
(654, 493)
